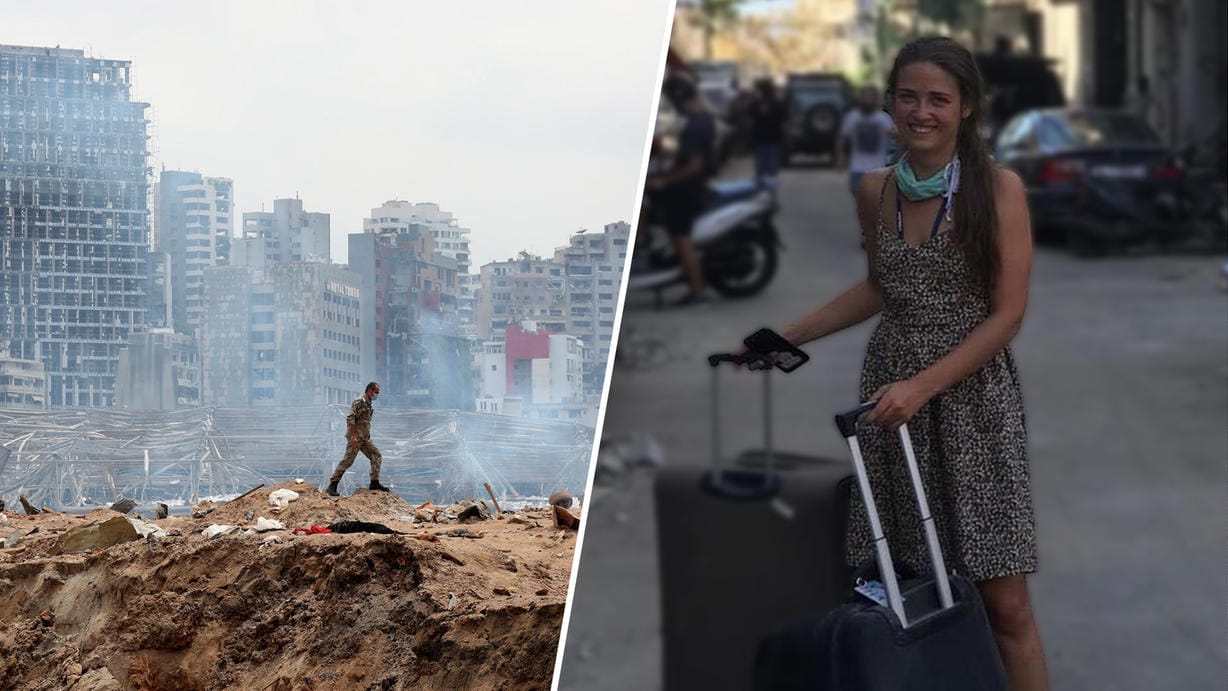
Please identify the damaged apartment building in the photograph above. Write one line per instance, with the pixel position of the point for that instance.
(418, 351)
(281, 324)
(574, 293)
(74, 218)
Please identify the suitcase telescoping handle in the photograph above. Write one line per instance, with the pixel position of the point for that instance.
(714, 361)
(847, 422)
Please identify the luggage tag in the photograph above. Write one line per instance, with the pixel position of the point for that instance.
(872, 590)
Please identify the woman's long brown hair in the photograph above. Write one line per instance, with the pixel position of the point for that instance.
(975, 213)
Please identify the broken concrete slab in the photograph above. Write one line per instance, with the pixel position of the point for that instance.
(31, 510)
(109, 533)
(123, 505)
(565, 518)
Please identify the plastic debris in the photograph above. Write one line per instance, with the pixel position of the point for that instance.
(264, 525)
(146, 529)
(217, 530)
(313, 530)
(281, 498)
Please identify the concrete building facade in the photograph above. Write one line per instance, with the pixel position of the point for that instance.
(416, 350)
(193, 225)
(451, 240)
(159, 370)
(74, 226)
(533, 372)
(286, 234)
(23, 383)
(291, 334)
(593, 265)
(528, 287)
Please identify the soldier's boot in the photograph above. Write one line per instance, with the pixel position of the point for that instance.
(375, 485)
(332, 489)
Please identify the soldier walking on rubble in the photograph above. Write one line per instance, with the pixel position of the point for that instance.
(358, 438)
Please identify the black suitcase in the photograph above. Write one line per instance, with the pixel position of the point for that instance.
(741, 551)
(933, 635)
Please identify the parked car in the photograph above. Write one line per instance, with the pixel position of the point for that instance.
(815, 104)
(1099, 178)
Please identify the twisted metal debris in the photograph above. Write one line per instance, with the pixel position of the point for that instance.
(84, 458)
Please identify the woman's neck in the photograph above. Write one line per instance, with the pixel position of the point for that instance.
(925, 164)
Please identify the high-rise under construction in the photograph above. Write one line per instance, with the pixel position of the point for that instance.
(74, 226)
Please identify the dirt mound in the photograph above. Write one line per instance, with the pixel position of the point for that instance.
(447, 605)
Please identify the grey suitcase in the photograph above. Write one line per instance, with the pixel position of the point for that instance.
(742, 551)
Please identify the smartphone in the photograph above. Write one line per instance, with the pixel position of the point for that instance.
(769, 345)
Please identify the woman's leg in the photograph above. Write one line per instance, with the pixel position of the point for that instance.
(1014, 627)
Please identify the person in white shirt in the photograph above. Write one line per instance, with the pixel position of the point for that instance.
(866, 133)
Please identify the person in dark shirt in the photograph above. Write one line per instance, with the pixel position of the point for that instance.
(683, 188)
(769, 122)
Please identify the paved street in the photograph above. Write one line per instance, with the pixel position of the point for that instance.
(1125, 377)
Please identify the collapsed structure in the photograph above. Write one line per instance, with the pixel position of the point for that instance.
(87, 458)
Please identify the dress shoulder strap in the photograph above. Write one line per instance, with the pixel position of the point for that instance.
(882, 193)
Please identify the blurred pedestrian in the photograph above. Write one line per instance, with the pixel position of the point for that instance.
(948, 274)
(358, 438)
(683, 188)
(866, 135)
(768, 113)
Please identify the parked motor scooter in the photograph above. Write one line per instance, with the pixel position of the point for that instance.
(735, 238)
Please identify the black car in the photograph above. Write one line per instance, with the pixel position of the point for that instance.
(1100, 178)
(815, 105)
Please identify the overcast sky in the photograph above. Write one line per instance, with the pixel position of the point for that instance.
(526, 119)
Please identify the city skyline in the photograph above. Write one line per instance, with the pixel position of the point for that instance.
(451, 118)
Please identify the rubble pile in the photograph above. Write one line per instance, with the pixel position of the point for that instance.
(440, 597)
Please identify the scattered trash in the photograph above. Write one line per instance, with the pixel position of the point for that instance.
(106, 534)
(3, 518)
(561, 498)
(13, 539)
(271, 540)
(162, 511)
(313, 530)
(217, 530)
(123, 505)
(203, 509)
(298, 480)
(249, 514)
(281, 498)
(521, 519)
(451, 600)
(146, 529)
(466, 510)
(362, 527)
(264, 525)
